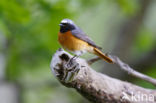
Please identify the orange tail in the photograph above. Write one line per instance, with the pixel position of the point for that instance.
(101, 55)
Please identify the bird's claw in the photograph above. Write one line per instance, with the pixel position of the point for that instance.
(72, 69)
(71, 63)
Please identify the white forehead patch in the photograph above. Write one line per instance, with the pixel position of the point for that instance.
(67, 21)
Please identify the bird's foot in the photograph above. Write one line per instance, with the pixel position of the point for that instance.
(72, 68)
(71, 63)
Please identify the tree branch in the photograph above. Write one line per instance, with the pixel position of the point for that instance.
(97, 87)
(126, 68)
(131, 71)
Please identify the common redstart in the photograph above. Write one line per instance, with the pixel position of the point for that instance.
(73, 39)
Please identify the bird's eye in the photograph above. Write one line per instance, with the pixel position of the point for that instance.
(64, 23)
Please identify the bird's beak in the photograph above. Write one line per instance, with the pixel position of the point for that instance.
(61, 24)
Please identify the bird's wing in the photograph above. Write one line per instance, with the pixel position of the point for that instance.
(81, 35)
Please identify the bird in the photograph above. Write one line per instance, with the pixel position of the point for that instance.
(74, 40)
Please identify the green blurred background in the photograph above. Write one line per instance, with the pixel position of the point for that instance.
(28, 39)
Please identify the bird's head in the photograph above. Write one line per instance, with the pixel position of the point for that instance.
(67, 25)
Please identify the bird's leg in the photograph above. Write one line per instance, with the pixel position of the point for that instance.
(70, 62)
(74, 57)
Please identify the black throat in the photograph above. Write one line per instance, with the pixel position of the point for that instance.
(64, 29)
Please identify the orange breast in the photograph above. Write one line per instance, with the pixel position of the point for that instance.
(69, 42)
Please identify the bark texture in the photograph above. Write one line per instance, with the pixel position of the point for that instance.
(94, 86)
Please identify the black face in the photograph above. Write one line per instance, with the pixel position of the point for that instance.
(66, 26)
